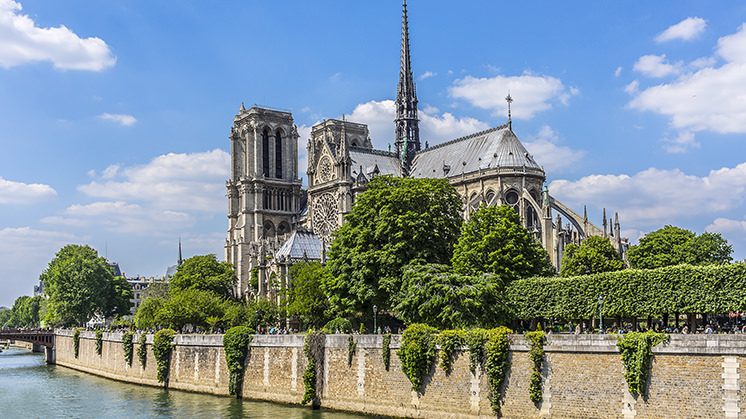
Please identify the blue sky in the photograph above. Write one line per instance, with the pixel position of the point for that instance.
(114, 116)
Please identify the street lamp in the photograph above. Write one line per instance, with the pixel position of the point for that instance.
(375, 311)
(601, 313)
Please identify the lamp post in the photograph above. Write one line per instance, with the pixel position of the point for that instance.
(375, 311)
(601, 313)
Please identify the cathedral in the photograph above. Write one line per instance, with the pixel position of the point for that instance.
(274, 222)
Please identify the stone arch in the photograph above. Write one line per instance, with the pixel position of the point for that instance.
(283, 228)
(269, 229)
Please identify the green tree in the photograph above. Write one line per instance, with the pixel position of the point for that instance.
(25, 312)
(394, 222)
(191, 306)
(118, 302)
(5, 317)
(494, 241)
(147, 312)
(305, 298)
(79, 284)
(595, 254)
(204, 273)
(671, 245)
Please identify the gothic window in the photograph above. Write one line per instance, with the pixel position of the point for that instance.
(535, 195)
(283, 228)
(269, 229)
(325, 216)
(278, 154)
(490, 197)
(265, 152)
(353, 143)
(511, 197)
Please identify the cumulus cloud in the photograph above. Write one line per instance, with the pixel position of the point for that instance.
(683, 142)
(24, 193)
(618, 71)
(710, 98)
(23, 42)
(546, 151)
(122, 217)
(123, 119)
(686, 30)
(656, 66)
(532, 93)
(655, 197)
(726, 226)
(427, 75)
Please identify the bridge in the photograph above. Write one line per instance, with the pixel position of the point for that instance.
(43, 337)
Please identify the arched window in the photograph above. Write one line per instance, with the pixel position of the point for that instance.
(490, 197)
(265, 152)
(269, 229)
(511, 198)
(278, 154)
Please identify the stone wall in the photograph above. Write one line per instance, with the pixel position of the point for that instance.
(691, 376)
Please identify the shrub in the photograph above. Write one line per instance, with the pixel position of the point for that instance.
(237, 344)
(142, 350)
(162, 346)
(417, 352)
(128, 346)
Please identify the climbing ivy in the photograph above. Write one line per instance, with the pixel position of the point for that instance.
(237, 345)
(142, 350)
(99, 341)
(127, 346)
(351, 345)
(496, 362)
(636, 353)
(314, 350)
(449, 341)
(536, 342)
(417, 352)
(76, 342)
(475, 340)
(162, 346)
(386, 352)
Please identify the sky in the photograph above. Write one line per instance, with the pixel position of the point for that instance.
(115, 116)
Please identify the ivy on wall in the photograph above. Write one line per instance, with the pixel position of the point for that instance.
(237, 345)
(128, 347)
(536, 342)
(314, 350)
(142, 350)
(417, 352)
(386, 350)
(99, 341)
(76, 342)
(636, 352)
(449, 341)
(162, 346)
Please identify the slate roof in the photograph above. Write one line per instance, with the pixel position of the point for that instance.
(369, 159)
(494, 147)
(298, 243)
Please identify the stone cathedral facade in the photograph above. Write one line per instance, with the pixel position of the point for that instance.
(273, 222)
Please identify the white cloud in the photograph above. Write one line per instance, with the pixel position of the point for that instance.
(110, 171)
(683, 142)
(725, 226)
(707, 98)
(618, 71)
(427, 75)
(656, 66)
(24, 193)
(122, 217)
(23, 42)
(685, 30)
(543, 146)
(126, 120)
(532, 93)
(654, 197)
(633, 87)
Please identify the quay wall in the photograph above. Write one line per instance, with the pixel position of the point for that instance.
(692, 376)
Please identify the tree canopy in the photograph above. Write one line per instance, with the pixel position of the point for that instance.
(396, 221)
(595, 254)
(205, 273)
(26, 312)
(494, 240)
(671, 245)
(81, 284)
(305, 298)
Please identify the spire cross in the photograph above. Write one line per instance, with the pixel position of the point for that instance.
(509, 100)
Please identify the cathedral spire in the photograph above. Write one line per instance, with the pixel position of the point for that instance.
(509, 99)
(407, 124)
(180, 259)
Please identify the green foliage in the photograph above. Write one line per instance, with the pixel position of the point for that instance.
(447, 300)
(671, 245)
(76, 342)
(305, 298)
(190, 306)
(80, 284)
(142, 350)
(496, 363)
(386, 350)
(449, 341)
(417, 352)
(338, 324)
(118, 302)
(595, 254)
(254, 279)
(495, 241)
(396, 221)
(536, 342)
(475, 340)
(314, 350)
(708, 289)
(636, 353)
(351, 345)
(264, 313)
(237, 345)
(147, 312)
(25, 312)
(204, 273)
(99, 341)
(128, 346)
(162, 346)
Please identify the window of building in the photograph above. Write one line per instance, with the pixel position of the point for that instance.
(278, 154)
(265, 152)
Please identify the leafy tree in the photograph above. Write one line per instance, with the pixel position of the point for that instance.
(118, 301)
(79, 284)
(204, 273)
(148, 311)
(25, 312)
(671, 245)
(394, 222)
(305, 298)
(494, 241)
(5, 316)
(595, 254)
(263, 313)
(447, 300)
(191, 306)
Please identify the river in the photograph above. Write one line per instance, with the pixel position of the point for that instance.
(31, 389)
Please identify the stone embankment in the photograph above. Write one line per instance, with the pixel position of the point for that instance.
(583, 376)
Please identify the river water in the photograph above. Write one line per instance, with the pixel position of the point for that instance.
(31, 389)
